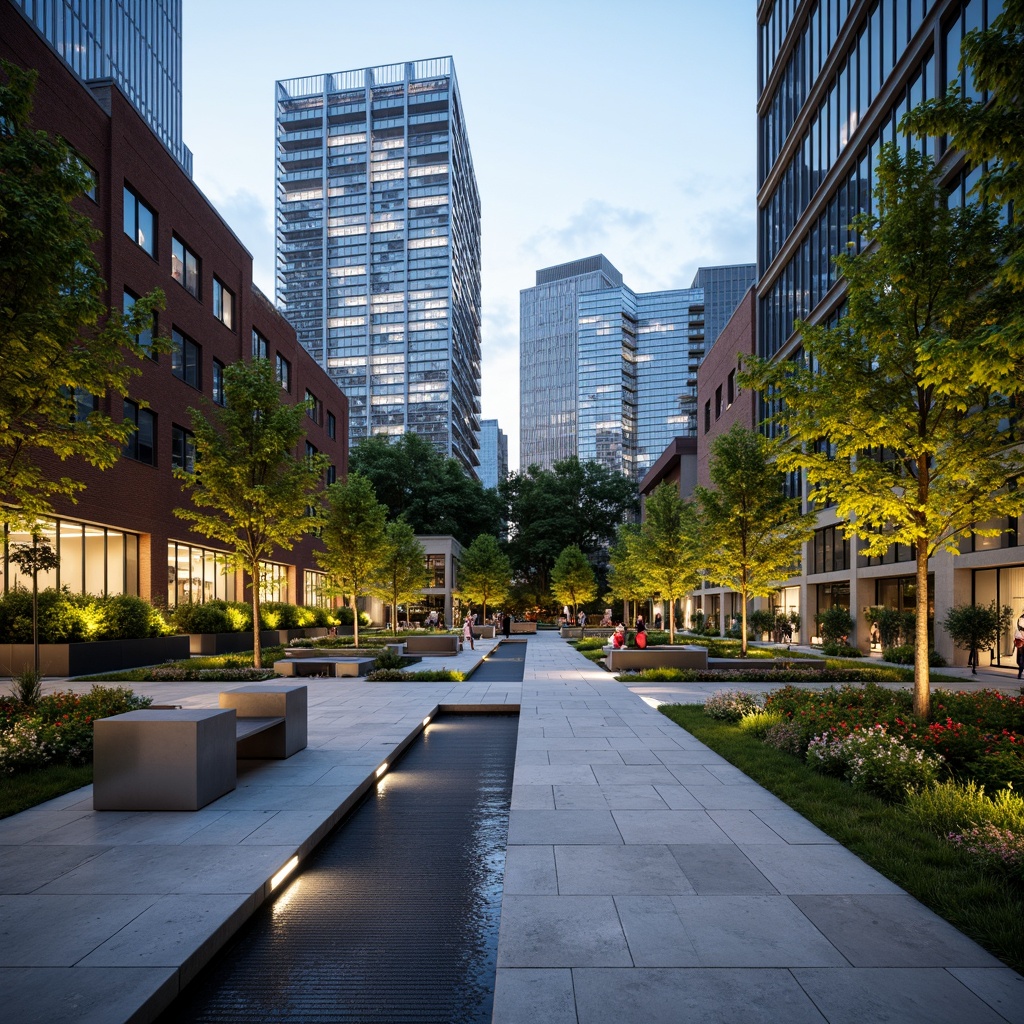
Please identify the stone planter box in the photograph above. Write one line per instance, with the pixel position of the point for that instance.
(232, 643)
(524, 627)
(677, 656)
(81, 659)
(483, 632)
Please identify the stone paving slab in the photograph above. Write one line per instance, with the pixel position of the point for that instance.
(646, 879)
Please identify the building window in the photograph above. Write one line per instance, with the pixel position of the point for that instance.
(93, 559)
(273, 581)
(218, 383)
(730, 389)
(223, 304)
(198, 575)
(718, 401)
(183, 449)
(260, 347)
(831, 550)
(139, 222)
(141, 446)
(91, 184)
(314, 589)
(284, 372)
(332, 426)
(314, 407)
(85, 403)
(332, 475)
(144, 339)
(185, 358)
(185, 267)
(311, 450)
(435, 570)
(707, 415)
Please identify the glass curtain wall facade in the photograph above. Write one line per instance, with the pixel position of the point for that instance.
(548, 356)
(137, 43)
(493, 454)
(378, 246)
(723, 288)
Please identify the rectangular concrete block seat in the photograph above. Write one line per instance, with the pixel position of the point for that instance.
(437, 645)
(321, 665)
(670, 656)
(174, 760)
(283, 710)
(483, 632)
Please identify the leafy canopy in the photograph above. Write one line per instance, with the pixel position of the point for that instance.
(886, 417)
(751, 532)
(485, 573)
(249, 490)
(402, 574)
(56, 334)
(572, 578)
(354, 537)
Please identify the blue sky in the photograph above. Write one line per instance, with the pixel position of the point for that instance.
(622, 128)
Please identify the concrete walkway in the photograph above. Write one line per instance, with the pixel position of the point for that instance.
(646, 879)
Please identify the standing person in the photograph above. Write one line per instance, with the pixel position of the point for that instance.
(467, 632)
(1018, 645)
(657, 620)
(440, 621)
(506, 623)
(641, 625)
(582, 619)
(566, 618)
(641, 633)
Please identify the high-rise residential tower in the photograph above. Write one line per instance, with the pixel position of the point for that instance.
(608, 374)
(835, 77)
(723, 288)
(493, 454)
(378, 246)
(137, 43)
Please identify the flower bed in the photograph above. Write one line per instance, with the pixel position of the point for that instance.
(57, 730)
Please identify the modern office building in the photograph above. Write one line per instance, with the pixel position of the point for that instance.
(378, 246)
(606, 373)
(159, 231)
(723, 288)
(835, 77)
(493, 454)
(137, 43)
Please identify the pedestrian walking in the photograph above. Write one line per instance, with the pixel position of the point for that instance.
(467, 632)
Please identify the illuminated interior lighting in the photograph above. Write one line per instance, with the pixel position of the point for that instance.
(382, 769)
(284, 872)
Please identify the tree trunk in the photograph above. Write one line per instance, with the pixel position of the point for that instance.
(672, 621)
(743, 623)
(922, 701)
(355, 620)
(35, 616)
(257, 650)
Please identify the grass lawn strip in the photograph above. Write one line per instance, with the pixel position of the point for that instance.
(986, 905)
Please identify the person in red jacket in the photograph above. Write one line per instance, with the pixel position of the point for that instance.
(619, 636)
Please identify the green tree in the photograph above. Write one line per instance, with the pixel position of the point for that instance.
(575, 502)
(58, 340)
(887, 421)
(625, 561)
(249, 489)
(572, 579)
(977, 627)
(669, 562)
(354, 536)
(982, 115)
(485, 573)
(432, 492)
(403, 570)
(32, 559)
(751, 532)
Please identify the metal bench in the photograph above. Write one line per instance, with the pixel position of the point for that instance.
(181, 759)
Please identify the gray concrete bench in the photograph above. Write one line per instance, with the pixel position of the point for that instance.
(181, 759)
(632, 659)
(524, 626)
(323, 665)
(431, 646)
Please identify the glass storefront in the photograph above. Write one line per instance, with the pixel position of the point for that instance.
(197, 574)
(93, 559)
(273, 581)
(1005, 586)
(314, 589)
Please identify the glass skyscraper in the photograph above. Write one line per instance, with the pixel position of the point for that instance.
(378, 246)
(608, 374)
(135, 42)
(724, 287)
(493, 454)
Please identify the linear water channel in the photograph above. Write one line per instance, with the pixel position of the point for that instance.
(394, 918)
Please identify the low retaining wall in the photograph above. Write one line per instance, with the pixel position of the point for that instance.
(82, 659)
(232, 643)
(627, 659)
(524, 627)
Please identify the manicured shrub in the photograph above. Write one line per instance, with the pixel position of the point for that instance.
(389, 659)
(762, 621)
(126, 617)
(835, 625)
(904, 655)
(992, 846)
(998, 769)
(732, 705)
(757, 723)
(391, 675)
(279, 615)
(835, 650)
(787, 737)
(954, 806)
(208, 617)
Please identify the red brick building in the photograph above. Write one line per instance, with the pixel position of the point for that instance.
(159, 231)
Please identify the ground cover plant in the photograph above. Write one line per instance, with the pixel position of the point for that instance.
(974, 882)
(822, 671)
(394, 675)
(235, 667)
